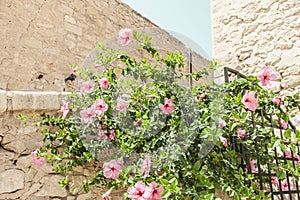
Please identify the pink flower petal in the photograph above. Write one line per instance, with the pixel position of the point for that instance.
(267, 75)
(249, 101)
(125, 36)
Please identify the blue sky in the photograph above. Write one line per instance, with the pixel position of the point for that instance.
(190, 18)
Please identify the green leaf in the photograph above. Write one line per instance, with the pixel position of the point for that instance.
(196, 167)
(86, 186)
(164, 181)
(63, 183)
(297, 135)
(288, 134)
(281, 175)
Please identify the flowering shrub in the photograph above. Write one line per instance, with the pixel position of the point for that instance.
(168, 141)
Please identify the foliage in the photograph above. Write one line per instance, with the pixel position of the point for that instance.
(192, 155)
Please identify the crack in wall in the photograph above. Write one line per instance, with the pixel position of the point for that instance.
(36, 15)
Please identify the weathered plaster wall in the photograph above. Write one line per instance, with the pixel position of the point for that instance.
(250, 34)
(40, 39)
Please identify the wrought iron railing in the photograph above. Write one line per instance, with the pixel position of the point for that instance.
(266, 120)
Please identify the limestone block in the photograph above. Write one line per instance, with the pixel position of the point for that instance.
(51, 188)
(8, 138)
(32, 42)
(65, 9)
(73, 28)
(22, 100)
(11, 180)
(39, 175)
(16, 146)
(24, 162)
(297, 42)
(266, 4)
(33, 188)
(86, 196)
(14, 195)
(70, 19)
(26, 130)
(34, 197)
(290, 81)
(3, 101)
(293, 70)
(30, 174)
(6, 158)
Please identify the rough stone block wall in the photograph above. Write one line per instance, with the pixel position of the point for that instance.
(40, 39)
(46, 37)
(19, 179)
(250, 34)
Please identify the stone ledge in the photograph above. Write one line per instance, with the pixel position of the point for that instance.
(30, 100)
(3, 101)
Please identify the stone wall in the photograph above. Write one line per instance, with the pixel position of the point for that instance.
(19, 179)
(40, 39)
(45, 37)
(250, 34)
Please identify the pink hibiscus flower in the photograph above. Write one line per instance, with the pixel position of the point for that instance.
(106, 194)
(168, 107)
(283, 124)
(297, 157)
(125, 36)
(65, 109)
(249, 101)
(241, 133)
(86, 87)
(87, 115)
(267, 75)
(103, 83)
(277, 100)
(146, 166)
(112, 135)
(102, 136)
(156, 192)
(112, 169)
(140, 191)
(138, 122)
(37, 161)
(288, 154)
(100, 106)
(202, 96)
(223, 141)
(285, 185)
(122, 105)
(252, 166)
(222, 123)
(274, 181)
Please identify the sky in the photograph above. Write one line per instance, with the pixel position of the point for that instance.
(187, 19)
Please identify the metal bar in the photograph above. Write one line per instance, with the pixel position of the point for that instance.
(268, 165)
(190, 67)
(226, 75)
